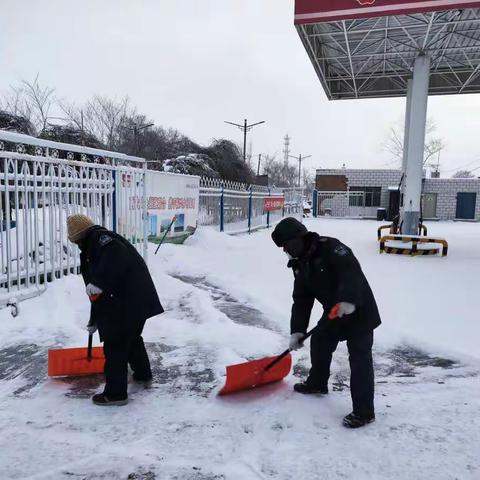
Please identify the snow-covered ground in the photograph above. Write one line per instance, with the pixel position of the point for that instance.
(227, 300)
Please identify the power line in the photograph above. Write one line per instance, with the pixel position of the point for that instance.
(463, 166)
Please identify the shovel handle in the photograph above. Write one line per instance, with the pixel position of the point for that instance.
(166, 232)
(287, 351)
(89, 349)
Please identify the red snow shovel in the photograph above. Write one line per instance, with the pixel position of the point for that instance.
(64, 362)
(244, 376)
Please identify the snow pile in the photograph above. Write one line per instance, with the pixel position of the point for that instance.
(191, 164)
(228, 299)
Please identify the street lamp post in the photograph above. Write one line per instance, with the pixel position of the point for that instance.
(299, 158)
(245, 128)
(136, 130)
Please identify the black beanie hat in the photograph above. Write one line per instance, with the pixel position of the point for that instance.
(288, 229)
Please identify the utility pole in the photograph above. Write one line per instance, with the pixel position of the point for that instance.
(259, 160)
(136, 130)
(299, 158)
(245, 128)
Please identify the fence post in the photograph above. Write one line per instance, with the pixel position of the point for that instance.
(114, 201)
(250, 210)
(222, 205)
(145, 213)
(314, 203)
(268, 211)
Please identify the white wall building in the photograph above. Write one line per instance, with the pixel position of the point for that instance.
(361, 192)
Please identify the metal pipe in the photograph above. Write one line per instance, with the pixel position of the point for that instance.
(44, 219)
(8, 238)
(145, 214)
(4, 229)
(26, 223)
(60, 220)
(35, 209)
(17, 221)
(51, 211)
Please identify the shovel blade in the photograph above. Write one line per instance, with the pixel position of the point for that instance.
(64, 362)
(247, 375)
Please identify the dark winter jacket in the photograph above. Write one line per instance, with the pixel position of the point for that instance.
(111, 263)
(330, 273)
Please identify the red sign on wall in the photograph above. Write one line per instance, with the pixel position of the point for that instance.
(273, 203)
(316, 11)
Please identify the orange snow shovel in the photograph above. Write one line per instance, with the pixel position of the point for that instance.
(244, 376)
(64, 362)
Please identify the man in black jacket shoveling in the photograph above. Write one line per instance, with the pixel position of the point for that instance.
(326, 270)
(123, 297)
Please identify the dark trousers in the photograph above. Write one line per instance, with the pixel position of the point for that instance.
(121, 351)
(322, 346)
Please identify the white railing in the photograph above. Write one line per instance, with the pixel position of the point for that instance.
(39, 191)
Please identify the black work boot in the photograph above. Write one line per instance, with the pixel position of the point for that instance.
(352, 420)
(102, 400)
(307, 388)
(145, 381)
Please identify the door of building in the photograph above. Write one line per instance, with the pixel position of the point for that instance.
(429, 205)
(466, 205)
(393, 204)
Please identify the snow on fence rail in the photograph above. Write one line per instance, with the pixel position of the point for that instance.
(237, 207)
(41, 184)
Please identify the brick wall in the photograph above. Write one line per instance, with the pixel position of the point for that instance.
(447, 189)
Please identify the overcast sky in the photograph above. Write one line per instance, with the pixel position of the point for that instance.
(191, 64)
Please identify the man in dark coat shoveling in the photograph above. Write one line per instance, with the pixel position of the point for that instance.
(326, 270)
(123, 297)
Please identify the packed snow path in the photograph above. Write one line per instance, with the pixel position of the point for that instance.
(228, 300)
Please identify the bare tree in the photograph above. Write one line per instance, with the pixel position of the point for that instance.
(31, 101)
(308, 182)
(279, 173)
(107, 117)
(394, 143)
(463, 174)
(103, 118)
(41, 100)
(14, 103)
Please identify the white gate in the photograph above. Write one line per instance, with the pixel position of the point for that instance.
(340, 204)
(39, 190)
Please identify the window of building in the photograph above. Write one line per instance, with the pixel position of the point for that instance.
(371, 195)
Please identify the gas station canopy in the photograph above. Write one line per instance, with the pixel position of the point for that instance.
(367, 48)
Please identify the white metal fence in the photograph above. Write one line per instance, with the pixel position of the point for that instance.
(237, 207)
(339, 204)
(38, 191)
